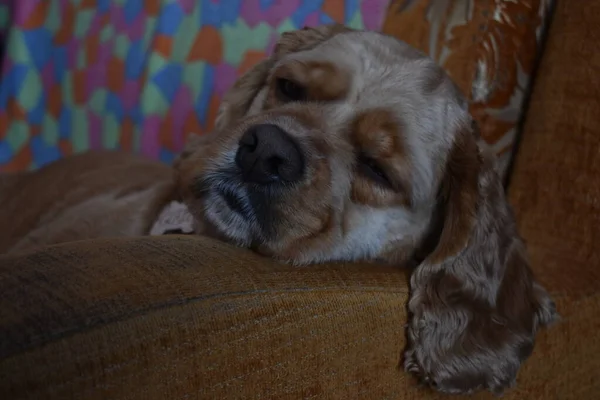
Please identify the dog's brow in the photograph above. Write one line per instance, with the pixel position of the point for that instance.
(324, 80)
(377, 132)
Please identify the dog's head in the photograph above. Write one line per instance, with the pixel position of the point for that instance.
(332, 149)
(348, 145)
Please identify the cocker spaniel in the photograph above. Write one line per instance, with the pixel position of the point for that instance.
(349, 145)
(342, 146)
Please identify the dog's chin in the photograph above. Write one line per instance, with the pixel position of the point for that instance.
(231, 217)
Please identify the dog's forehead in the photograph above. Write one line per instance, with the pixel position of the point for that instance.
(373, 48)
(387, 74)
(377, 64)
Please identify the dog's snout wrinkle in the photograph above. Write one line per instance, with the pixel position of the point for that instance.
(267, 154)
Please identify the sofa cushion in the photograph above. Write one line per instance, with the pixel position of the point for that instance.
(556, 186)
(173, 317)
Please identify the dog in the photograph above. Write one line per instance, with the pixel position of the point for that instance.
(345, 145)
(86, 196)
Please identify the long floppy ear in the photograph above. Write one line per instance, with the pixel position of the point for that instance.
(237, 100)
(475, 306)
(234, 105)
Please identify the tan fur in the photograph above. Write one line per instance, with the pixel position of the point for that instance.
(379, 135)
(323, 80)
(432, 199)
(91, 195)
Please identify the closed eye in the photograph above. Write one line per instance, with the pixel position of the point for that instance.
(288, 90)
(371, 169)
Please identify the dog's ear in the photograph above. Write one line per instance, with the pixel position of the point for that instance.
(237, 100)
(475, 306)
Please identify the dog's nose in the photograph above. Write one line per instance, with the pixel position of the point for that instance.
(268, 154)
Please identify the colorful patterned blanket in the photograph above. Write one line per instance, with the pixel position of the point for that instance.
(138, 75)
(142, 75)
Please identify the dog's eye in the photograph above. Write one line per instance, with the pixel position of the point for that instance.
(372, 170)
(290, 91)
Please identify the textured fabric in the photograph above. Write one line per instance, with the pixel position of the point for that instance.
(173, 317)
(489, 47)
(186, 317)
(555, 187)
(136, 74)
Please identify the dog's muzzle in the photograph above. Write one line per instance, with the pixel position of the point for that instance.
(268, 160)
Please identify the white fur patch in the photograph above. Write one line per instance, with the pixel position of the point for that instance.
(174, 217)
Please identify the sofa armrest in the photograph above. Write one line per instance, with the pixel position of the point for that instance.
(186, 317)
(170, 317)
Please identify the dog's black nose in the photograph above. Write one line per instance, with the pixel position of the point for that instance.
(268, 154)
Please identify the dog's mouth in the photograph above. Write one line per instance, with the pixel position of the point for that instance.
(227, 208)
(237, 209)
(236, 203)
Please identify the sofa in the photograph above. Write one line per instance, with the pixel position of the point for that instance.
(177, 317)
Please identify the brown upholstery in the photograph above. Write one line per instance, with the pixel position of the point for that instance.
(165, 318)
(555, 187)
(169, 317)
(181, 317)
